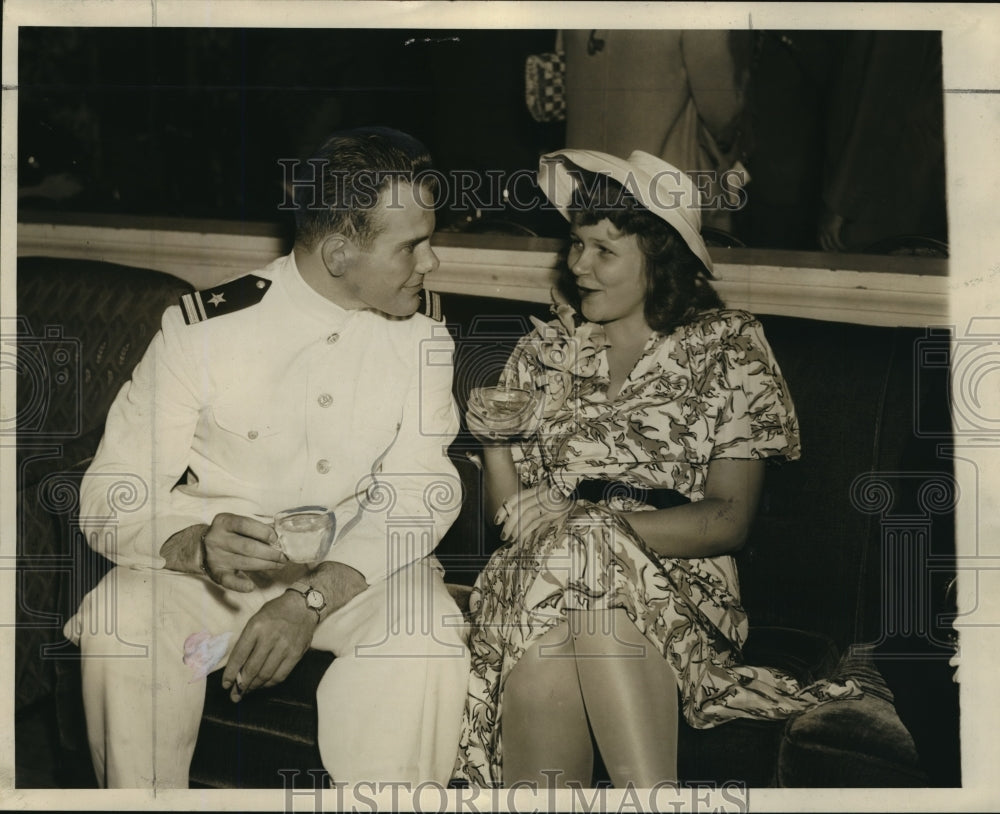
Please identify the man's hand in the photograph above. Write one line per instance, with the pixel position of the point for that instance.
(235, 544)
(271, 644)
(830, 234)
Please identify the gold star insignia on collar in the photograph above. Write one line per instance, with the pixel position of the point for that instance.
(216, 299)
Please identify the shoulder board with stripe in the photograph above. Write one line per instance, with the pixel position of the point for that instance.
(223, 299)
(432, 305)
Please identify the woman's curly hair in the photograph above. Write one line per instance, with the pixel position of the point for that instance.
(677, 287)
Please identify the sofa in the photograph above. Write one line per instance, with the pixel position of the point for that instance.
(847, 572)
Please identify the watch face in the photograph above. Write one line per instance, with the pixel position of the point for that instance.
(314, 599)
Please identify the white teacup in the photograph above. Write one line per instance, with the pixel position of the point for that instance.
(305, 533)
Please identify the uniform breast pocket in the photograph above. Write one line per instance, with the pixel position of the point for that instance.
(245, 438)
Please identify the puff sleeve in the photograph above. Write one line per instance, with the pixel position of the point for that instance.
(755, 416)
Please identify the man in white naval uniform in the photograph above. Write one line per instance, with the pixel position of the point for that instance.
(306, 382)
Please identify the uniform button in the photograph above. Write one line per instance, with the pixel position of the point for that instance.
(325, 400)
(332, 338)
(252, 434)
(322, 466)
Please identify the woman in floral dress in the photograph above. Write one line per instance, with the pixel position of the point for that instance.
(620, 504)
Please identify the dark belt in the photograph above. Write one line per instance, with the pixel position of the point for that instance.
(597, 490)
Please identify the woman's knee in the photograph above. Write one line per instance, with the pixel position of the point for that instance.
(609, 632)
(542, 675)
(621, 667)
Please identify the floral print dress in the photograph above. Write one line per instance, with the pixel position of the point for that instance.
(710, 389)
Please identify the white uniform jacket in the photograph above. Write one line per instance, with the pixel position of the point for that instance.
(287, 402)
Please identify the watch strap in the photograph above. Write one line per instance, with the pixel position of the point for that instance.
(305, 588)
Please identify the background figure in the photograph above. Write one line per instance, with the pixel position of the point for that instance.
(790, 78)
(884, 173)
(675, 94)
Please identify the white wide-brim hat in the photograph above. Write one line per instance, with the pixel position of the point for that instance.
(660, 187)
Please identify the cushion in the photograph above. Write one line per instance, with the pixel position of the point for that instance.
(851, 742)
(747, 750)
(744, 751)
(38, 570)
(246, 745)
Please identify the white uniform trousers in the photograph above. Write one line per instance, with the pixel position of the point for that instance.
(389, 706)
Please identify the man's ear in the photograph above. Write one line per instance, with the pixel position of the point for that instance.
(335, 250)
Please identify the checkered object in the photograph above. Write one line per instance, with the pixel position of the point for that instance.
(545, 86)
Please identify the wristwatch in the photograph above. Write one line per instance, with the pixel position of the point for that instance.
(313, 596)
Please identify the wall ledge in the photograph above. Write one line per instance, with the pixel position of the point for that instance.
(863, 289)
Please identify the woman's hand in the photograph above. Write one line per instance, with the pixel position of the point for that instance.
(529, 512)
(713, 526)
(489, 432)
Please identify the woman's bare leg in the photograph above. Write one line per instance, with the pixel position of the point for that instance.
(546, 739)
(630, 695)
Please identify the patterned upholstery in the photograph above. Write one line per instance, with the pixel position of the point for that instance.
(81, 327)
(78, 343)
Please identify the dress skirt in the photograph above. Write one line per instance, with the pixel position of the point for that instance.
(688, 609)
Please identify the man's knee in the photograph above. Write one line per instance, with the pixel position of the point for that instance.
(421, 623)
(116, 614)
(131, 608)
